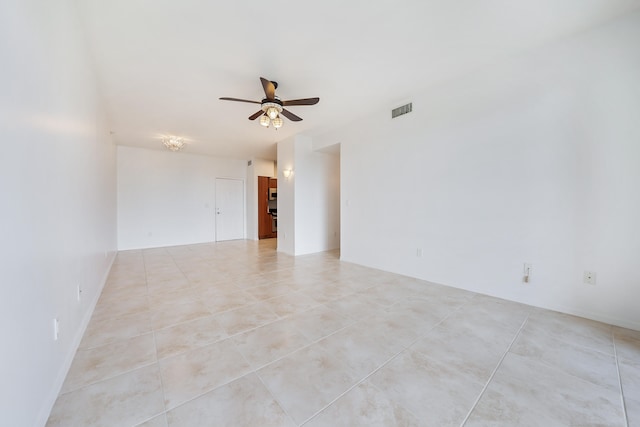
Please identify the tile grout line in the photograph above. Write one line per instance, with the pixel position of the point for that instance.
(164, 397)
(351, 323)
(494, 371)
(382, 365)
(164, 404)
(252, 370)
(258, 301)
(624, 406)
(273, 396)
(344, 393)
(297, 349)
(255, 371)
(156, 356)
(155, 345)
(411, 345)
(207, 392)
(230, 337)
(128, 371)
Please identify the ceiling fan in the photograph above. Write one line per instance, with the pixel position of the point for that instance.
(271, 107)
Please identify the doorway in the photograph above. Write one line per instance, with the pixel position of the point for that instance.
(267, 207)
(229, 209)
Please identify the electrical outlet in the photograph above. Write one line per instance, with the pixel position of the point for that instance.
(419, 252)
(589, 277)
(79, 292)
(56, 329)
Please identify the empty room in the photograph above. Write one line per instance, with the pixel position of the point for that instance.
(385, 213)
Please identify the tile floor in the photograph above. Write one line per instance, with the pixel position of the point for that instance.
(235, 334)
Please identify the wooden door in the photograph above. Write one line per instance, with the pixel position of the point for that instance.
(264, 219)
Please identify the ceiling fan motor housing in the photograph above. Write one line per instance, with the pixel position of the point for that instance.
(276, 100)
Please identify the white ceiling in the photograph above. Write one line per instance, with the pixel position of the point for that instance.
(163, 64)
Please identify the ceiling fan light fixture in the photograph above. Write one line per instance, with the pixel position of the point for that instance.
(264, 121)
(273, 109)
(277, 122)
(272, 112)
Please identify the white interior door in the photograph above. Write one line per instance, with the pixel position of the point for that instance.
(229, 209)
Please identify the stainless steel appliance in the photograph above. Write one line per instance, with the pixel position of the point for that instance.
(274, 220)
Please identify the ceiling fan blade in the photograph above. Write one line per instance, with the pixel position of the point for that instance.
(269, 89)
(256, 115)
(306, 101)
(289, 115)
(240, 100)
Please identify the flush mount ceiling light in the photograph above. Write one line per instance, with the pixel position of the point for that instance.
(173, 143)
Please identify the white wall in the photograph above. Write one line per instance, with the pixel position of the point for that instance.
(532, 160)
(259, 167)
(317, 199)
(286, 198)
(58, 216)
(167, 198)
(309, 200)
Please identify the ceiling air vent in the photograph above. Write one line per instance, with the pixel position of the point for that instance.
(397, 112)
